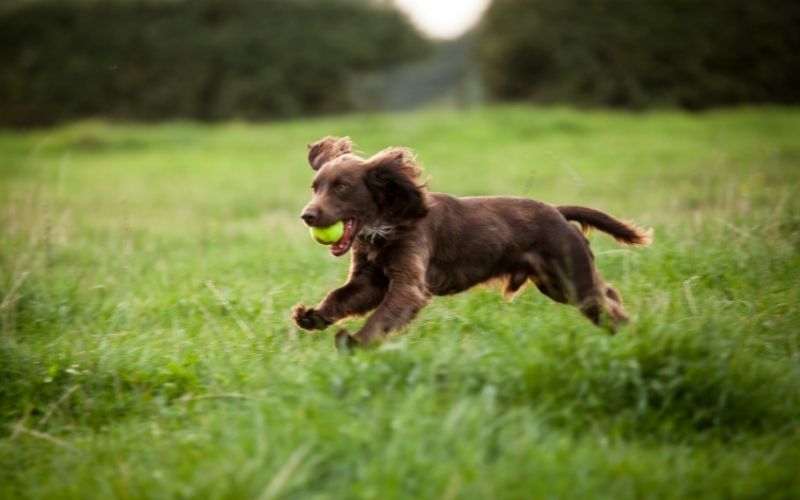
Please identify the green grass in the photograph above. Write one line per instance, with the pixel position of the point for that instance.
(147, 275)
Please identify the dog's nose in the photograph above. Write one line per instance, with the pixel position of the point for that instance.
(308, 217)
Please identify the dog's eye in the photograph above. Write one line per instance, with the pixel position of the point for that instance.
(339, 187)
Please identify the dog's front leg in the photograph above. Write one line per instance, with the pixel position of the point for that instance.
(406, 295)
(402, 303)
(364, 290)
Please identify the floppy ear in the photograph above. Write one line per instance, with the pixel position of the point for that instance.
(392, 176)
(326, 149)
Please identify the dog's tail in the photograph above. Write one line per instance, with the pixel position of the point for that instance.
(623, 232)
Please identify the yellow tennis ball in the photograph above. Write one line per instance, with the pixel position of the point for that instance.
(328, 235)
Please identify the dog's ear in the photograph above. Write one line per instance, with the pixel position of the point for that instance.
(392, 176)
(326, 149)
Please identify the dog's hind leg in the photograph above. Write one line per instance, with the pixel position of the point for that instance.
(613, 305)
(600, 302)
(544, 276)
(569, 276)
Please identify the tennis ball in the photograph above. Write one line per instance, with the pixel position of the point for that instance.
(328, 235)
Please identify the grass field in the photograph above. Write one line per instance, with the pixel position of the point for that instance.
(148, 273)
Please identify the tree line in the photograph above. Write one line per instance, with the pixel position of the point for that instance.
(194, 59)
(266, 59)
(641, 53)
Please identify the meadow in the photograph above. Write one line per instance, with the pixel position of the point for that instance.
(147, 276)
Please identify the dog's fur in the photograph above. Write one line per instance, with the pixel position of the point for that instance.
(409, 244)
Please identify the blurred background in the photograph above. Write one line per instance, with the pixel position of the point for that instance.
(148, 60)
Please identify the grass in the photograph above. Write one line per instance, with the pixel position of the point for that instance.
(147, 275)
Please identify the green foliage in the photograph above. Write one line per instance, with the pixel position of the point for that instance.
(201, 59)
(146, 350)
(631, 53)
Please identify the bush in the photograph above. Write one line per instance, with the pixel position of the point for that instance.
(635, 54)
(198, 59)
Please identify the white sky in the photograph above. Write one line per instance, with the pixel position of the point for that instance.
(443, 18)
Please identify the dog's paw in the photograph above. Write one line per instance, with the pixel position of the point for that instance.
(345, 343)
(308, 318)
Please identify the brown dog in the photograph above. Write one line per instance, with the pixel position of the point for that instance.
(409, 244)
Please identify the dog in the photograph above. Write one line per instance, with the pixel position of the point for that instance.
(409, 244)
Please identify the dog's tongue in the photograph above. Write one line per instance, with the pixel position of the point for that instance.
(343, 245)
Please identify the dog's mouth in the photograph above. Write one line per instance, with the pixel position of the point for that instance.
(346, 241)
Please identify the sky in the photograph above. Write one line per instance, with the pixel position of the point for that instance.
(444, 19)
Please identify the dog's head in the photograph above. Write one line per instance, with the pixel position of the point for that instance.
(367, 194)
